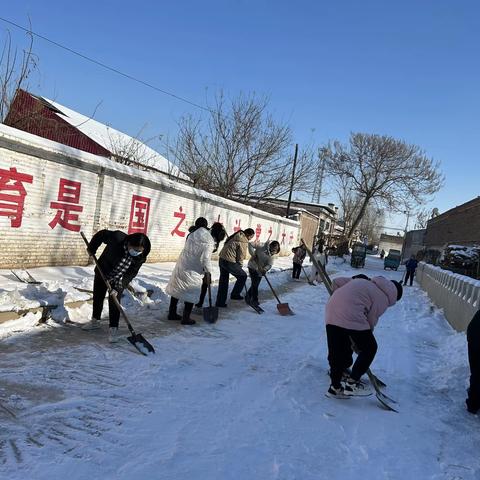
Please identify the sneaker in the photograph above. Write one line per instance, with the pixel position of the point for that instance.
(336, 393)
(199, 305)
(113, 335)
(93, 324)
(175, 317)
(188, 321)
(347, 378)
(356, 389)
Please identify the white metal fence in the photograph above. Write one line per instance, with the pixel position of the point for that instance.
(458, 295)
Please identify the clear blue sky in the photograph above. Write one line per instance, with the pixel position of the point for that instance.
(410, 69)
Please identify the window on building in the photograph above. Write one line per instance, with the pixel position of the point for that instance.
(327, 226)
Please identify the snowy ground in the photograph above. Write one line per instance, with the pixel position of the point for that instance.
(241, 399)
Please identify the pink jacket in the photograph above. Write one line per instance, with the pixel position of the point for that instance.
(357, 304)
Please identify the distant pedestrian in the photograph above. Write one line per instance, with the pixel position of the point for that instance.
(193, 268)
(232, 255)
(259, 264)
(411, 265)
(351, 315)
(298, 258)
(473, 340)
(120, 262)
(382, 253)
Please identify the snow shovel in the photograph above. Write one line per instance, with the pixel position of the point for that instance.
(308, 278)
(136, 339)
(210, 313)
(283, 308)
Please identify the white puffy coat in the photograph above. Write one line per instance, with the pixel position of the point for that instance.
(193, 262)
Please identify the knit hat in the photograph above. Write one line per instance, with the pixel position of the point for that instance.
(399, 289)
(361, 276)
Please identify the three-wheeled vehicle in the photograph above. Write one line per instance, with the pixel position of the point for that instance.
(359, 252)
(392, 260)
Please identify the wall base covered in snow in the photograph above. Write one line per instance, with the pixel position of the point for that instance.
(49, 192)
(459, 296)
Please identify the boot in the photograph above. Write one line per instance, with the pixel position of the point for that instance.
(187, 310)
(172, 310)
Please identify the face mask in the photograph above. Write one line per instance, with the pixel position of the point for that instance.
(133, 252)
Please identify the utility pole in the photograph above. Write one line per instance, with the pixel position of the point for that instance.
(407, 212)
(317, 189)
(293, 180)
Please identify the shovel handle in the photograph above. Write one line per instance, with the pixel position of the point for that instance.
(306, 274)
(109, 287)
(209, 295)
(271, 288)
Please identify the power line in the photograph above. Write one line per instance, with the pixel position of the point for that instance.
(103, 65)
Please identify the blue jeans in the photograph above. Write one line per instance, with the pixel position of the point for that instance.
(227, 268)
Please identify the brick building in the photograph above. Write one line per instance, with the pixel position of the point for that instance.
(459, 225)
(414, 242)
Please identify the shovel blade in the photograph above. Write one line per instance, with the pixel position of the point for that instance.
(210, 314)
(141, 344)
(284, 309)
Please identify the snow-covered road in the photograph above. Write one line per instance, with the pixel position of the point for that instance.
(241, 399)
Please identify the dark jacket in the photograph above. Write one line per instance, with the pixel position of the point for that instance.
(114, 252)
(411, 265)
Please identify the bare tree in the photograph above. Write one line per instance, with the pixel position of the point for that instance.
(131, 150)
(240, 152)
(383, 169)
(422, 217)
(370, 226)
(15, 69)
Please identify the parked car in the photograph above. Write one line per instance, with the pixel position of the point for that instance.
(392, 260)
(359, 252)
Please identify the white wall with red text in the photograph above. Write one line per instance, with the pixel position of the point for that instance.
(49, 192)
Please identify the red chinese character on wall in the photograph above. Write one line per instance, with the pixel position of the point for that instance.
(139, 213)
(269, 231)
(176, 230)
(67, 205)
(290, 239)
(284, 234)
(12, 202)
(237, 226)
(258, 231)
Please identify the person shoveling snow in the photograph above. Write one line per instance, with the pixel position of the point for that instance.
(351, 314)
(120, 261)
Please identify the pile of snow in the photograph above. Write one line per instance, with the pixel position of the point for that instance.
(461, 255)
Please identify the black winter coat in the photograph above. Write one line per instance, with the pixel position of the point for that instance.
(115, 251)
(411, 265)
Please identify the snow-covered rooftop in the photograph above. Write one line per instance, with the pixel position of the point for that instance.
(113, 139)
